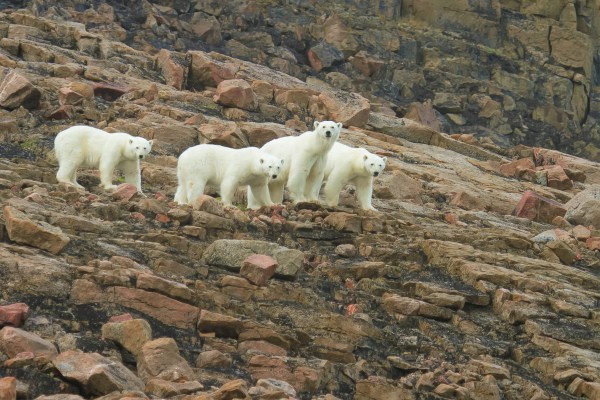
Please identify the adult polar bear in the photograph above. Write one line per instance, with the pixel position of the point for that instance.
(305, 157)
(356, 166)
(219, 166)
(85, 146)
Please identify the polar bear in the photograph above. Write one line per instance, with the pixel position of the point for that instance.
(356, 166)
(225, 168)
(305, 157)
(88, 147)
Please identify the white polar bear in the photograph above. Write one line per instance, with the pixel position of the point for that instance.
(225, 168)
(88, 147)
(356, 166)
(305, 157)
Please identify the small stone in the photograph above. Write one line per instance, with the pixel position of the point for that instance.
(538, 208)
(258, 268)
(124, 192)
(8, 388)
(346, 250)
(213, 358)
(14, 314)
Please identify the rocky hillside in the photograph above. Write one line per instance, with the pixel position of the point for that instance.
(478, 278)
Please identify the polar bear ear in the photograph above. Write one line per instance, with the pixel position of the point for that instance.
(151, 142)
(282, 162)
(365, 157)
(262, 160)
(384, 159)
(316, 124)
(130, 141)
(339, 125)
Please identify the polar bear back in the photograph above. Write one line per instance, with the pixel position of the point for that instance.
(347, 158)
(89, 142)
(215, 163)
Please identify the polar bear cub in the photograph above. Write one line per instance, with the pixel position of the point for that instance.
(305, 157)
(225, 168)
(88, 147)
(356, 166)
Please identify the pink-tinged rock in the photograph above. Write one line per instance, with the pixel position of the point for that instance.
(557, 178)
(580, 232)
(166, 389)
(593, 243)
(236, 93)
(348, 108)
(424, 114)
(224, 133)
(221, 325)
(172, 71)
(121, 318)
(65, 111)
(538, 208)
(124, 192)
(14, 314)
(162, 218)
(367, 65)
(160, 359)
(97, 374)
(207, 71)
(258, 268)
(14, 341)
(172, 289)
(324, 55)
(69, 96)
(109, 91)
(132, 334)
(156, 305)
(38, 234)
(209, 204)
(138, 216)
(518, 168)
(8, 388)
(17, 91)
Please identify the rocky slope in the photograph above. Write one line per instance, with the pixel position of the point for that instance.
(477, 279)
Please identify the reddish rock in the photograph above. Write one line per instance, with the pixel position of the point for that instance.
(258, 268)
(160, 359)
(593, 243)
(424, 114)
(14, 341)
(324, 55)
(156, 305)
(170, 288)
(348, 108)
(131, 334)
(166, 389)
(207, 71)
(213, 358)
(209, 204)
(14, 314)
(236, 93)
(38, 234)
(63, 112)
(224, 133)
(137, 216)
(518, 168)
(395, 304)
(69, 96)
(367, 65)
(538, 208)
(171, 70)
(580, 232)
(261, 346)
(237, 389)
(8, 388)
(97, 374)
(109, 91)
(124, 192)
(345, 222)
(557, 178)
(221, 325)
(162, 218)
(17, 91)
(121, 318)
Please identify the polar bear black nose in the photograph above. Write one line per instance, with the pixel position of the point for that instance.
(328, 133)
(376, 173)
(141, 156)
(274, 176)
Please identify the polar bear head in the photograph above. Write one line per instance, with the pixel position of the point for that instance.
(328, 130)
(374, 164)
(138, 147)
(269, 165)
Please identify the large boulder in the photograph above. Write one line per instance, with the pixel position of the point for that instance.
(584, 207)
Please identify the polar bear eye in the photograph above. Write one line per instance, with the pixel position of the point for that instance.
(372, 164)
(137, 147)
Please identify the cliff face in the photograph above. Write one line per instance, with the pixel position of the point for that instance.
(477, 279)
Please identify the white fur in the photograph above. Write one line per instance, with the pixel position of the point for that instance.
(356, 166)
(88, 147)
(305, 157)
(225, 168)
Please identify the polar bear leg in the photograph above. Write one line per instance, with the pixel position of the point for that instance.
(314, 181)
(276, 191)
(333, 187)
(252, 202)
(296, 184)
(261, 196)
(132, 173)
(180, 195)
(107, 166)
(67, 173)
(194, 189)
(364, 192)
(227, 191)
